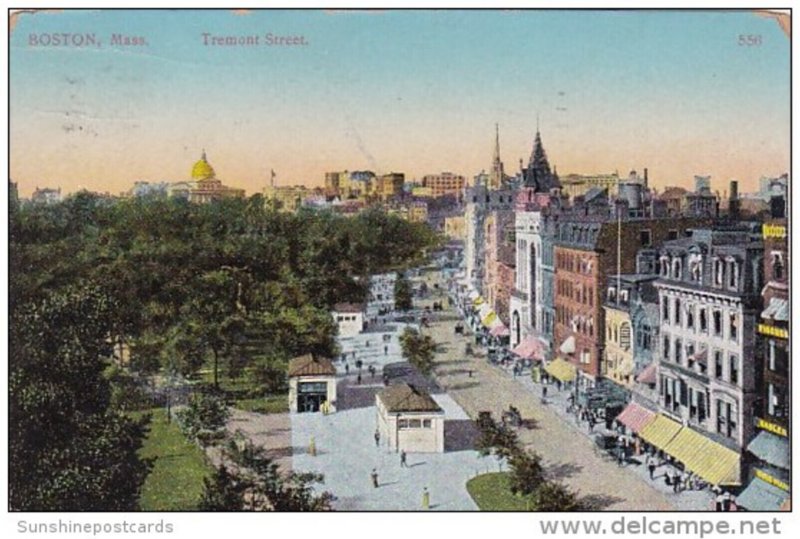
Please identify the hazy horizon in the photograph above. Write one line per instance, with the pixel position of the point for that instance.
(412, 91)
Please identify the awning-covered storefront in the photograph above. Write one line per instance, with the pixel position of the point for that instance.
(660, 431)
(530, 347)
(778, 310)
(561, 370)
(761, 496)
(489, 319)
(478, 301)
(568, 346)
(648, 375)
(710, 460)
(499, 330)
(772, 449)
(636, 417)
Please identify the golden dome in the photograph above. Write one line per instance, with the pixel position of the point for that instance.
(202, 170)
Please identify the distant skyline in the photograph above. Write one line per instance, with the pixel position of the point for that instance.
(412, 91)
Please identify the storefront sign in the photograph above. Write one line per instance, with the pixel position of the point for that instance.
(772, 331)
(772, 427)
(773, 231)
(764, 476)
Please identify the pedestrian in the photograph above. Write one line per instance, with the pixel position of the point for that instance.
(385, 350)
(372, 371)
(346, 368)
(426, 498)
(726, 501)
(469, 372)
(374, 476)
(719, 500)
(544, 392)
(651, 465)
(377, 437)
(620, 455)
(591, 423)
(676, 482)
(403, 463)
(358, 379)
(385, 379)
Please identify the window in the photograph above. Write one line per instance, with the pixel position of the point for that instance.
(414, 423)
(677, 269)
(676, 313)
(426, 423)
(612, 293)
(702, 407)
(777, 266)
(585, 356)
(719, 270)
(644, 238)
(718, 364)
(623, 297)
(703, 320)
(402, 423)
(672, 234)
(717, 323)
(733, 327)
(665, 353)
(733, 363)
(678, 351)
(664, 266)
(665, 309)
(644, 337)
(690, 316)
(690, 360)
(625, 336)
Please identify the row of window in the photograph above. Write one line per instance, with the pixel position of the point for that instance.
(619, 334)
(574, 263)
(576, 292)
(346, 318)
(690, 316)
(690, 356)
(677, 395)
(578, 324)
(725, 272)
(403, 424)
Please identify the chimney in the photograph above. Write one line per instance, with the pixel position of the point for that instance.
(645, 177)
(733, 200)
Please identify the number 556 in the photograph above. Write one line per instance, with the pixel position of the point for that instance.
(749, 40)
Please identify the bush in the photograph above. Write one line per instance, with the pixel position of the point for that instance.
(204, 418)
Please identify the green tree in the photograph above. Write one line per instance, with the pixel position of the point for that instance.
(69, 449)
(418, 349)
(204, 418)
(223, 491)
(552, 497)
(403, 299)
(527, 472)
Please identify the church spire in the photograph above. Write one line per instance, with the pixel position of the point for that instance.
(497, 177)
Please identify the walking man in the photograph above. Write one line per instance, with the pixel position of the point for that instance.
(358, 379)
(347, 368)
(374, 476)
(651, 466)
(403, 463)
(385, 350)
(377, 437)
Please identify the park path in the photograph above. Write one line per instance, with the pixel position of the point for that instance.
(568, 456)
(273, 432)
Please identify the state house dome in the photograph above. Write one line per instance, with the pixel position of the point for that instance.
(202, 170)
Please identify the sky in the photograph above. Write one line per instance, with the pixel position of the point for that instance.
(413, 91)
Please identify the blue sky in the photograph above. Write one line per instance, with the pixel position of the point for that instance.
(413, 91)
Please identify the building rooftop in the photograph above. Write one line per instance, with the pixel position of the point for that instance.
(407, 398)
(349, 308)
(308, 365)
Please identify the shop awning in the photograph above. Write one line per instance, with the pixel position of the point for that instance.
(778, 310)
(648, 375)
(489, 319)
(636, 417)
(761, 496)
(660, 431)
(568, 346)
(710, 460)
(530, 347)
(561, 370)
(499, 330)
(478, 301)
(772, 449)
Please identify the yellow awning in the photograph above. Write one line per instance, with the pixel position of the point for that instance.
(660, 431)
(477, 301)
(489, 319)
(710, 460)
(561, 370)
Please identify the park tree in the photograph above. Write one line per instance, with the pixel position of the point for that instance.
(204, 418)
(223, 491)
(418, 349)
(527, 472)
(552, 496)
(402, 293)
(69, 449)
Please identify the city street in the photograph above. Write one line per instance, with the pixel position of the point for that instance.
(601, 484)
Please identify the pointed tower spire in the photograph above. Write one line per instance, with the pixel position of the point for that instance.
(496, 143)
(497, 177)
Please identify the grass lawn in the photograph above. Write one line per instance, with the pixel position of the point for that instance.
(176, 480)
(272, 404)
(490, 491)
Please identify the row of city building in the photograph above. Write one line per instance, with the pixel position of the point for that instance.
(681, 304)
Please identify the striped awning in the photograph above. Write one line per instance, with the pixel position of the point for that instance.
(561, 370)
(636, 417)
(648, 375)
(660, 431)
(778, 310)
(499, 330)
(710, 460)
(489, 319)
(530, 347)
